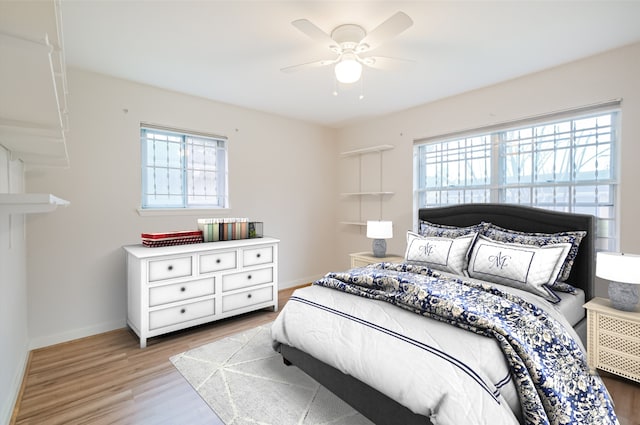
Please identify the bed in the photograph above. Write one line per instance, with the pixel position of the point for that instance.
(362, 375)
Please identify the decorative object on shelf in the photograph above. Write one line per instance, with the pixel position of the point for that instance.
(623, 272)
(255, 229)
(181, 237)
(379, 231)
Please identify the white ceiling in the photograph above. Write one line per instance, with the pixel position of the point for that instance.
(232, 51)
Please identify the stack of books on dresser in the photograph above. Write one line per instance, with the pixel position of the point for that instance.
(224, 229)
(172, 238)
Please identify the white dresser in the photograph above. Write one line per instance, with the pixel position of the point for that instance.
(175, 287)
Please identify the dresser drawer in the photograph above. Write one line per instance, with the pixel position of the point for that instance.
(217, 261)
(255, 256)
(246, 299)
(246, 279)
(169, 269)
(184, 313)
(180, 291)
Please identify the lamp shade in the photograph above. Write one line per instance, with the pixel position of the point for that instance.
(379, 229)
(618, 267)
(348, 70)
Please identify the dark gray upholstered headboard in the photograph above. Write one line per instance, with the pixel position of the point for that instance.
(527, 219)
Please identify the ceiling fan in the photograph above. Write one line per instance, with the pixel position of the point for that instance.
(351, 43)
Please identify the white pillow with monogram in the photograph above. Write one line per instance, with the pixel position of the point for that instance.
(526, 267)
(444, 254)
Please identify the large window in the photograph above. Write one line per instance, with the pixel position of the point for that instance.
(563, 163)
(182, 170)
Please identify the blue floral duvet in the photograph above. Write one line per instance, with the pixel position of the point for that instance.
(547, 365)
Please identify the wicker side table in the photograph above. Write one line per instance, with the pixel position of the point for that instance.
(613, 339)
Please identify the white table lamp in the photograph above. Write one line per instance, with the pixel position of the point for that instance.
(379, 231)
(623, 272)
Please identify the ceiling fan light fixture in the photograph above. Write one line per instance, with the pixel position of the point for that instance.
(348, 70)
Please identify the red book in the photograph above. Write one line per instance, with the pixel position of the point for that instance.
(173, 234)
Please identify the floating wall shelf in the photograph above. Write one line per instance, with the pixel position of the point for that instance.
(28, 203)
(353, 223)
(366, 193)
(371, 149)
(361, 194)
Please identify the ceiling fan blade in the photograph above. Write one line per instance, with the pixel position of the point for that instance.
(386, 30)
(385, 62)
(308, 65)
(311, 30)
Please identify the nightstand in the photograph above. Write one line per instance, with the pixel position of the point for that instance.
(361, 259)
(613, 339)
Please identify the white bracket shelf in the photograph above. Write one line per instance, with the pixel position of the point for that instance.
(379, 194)
(29, 203)
(366, 193)
(353, 223)
(363, 151)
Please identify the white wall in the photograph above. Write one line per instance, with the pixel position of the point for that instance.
(279, 174)
(600, 78)
(283, 172)
(14, 338)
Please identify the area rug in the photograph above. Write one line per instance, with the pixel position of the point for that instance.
(245, 381)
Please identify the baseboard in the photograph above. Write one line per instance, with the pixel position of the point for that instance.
(14, 392)
(48, 340)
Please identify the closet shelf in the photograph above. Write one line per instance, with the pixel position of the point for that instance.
(33, 125)
(28, 203)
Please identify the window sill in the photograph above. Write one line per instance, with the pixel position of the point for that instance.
(208, 212)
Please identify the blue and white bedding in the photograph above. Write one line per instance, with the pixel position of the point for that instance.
(521, 363)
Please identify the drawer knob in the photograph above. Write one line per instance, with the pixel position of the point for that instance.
(218, 261)
(248, 295)
(182, 289)
(258, 255)
(249, 277)
(183, 310)
(170, 268)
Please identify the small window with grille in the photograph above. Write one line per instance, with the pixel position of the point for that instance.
(183, 169)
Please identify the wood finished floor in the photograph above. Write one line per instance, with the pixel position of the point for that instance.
(108, 379)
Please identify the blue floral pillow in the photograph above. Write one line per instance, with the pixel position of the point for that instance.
(427, 228)
(574, 238)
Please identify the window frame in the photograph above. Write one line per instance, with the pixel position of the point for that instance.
(185, 139)
(495, 186)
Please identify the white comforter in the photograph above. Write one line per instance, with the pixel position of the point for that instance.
(437, 370)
